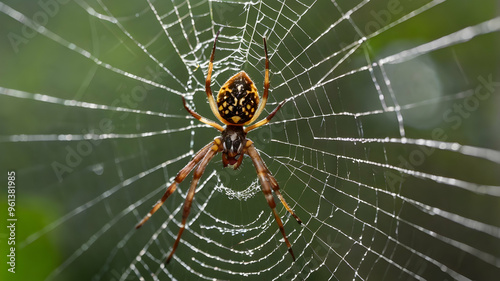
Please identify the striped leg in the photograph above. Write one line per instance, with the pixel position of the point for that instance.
(266, 88)
(215, 147)
(264, 177)
(178, 179)
(265, 120)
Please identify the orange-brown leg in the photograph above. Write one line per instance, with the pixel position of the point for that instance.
(198, 172)
(276, 190)
(263, 175)
(265, 120)
(178, 179)
(266, 87)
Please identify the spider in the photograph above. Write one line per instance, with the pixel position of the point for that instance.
(237, 106)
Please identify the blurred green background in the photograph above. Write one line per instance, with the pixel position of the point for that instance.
(371, 209)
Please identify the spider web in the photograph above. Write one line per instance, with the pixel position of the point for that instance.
(387, 147)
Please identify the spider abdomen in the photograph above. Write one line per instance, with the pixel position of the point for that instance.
(238, 99)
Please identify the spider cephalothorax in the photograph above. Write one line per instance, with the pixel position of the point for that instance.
(237, 106)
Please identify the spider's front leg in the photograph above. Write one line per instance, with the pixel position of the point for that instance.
(214, 148)
(267, 181)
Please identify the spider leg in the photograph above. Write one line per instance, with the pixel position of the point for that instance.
(265, 120)
(178, 179)
(276, 188)
(208, 89)
(266, 88)
(274, 185)
(266, 183)
(201, 118)
(214, 148)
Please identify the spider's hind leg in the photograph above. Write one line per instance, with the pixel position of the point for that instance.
(266, 184)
